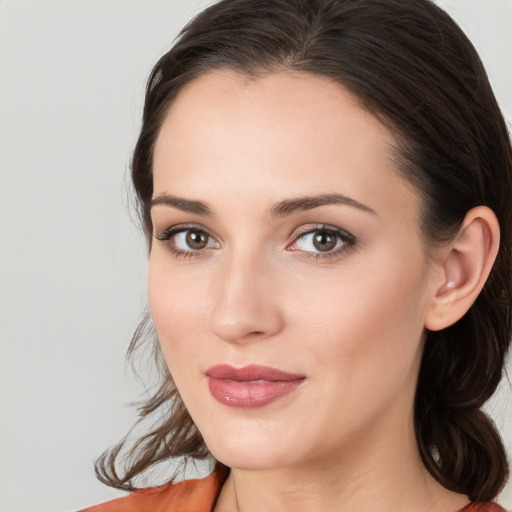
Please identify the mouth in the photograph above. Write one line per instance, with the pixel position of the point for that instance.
(251, 386)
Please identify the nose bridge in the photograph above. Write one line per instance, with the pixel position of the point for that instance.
(244, 305)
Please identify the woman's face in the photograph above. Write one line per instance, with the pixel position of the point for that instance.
(287, 278)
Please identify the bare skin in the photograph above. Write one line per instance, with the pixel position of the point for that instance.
(348, 317)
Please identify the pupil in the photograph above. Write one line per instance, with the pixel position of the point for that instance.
(324, 241)
(196, 240)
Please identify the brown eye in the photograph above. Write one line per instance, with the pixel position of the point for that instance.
(196, 240)
(189, 241)
(324, 241)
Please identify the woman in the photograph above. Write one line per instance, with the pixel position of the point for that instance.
(325, 187)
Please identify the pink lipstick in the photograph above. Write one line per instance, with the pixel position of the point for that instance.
(250, 386)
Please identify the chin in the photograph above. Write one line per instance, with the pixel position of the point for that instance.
(248, 460)
(249, 450)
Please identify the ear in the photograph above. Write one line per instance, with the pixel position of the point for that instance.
(463, 269)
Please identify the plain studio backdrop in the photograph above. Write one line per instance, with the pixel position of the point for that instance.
(72, 264)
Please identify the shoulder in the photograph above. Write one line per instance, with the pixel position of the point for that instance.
(483, 507)
(196, 495)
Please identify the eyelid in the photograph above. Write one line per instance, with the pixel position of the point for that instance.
(311, 228)
(178, 228)
(305, 230)
(348, 239)
(168, 235)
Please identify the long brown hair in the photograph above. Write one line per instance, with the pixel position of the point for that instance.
(412, 67)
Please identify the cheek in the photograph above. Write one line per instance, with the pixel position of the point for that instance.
(361, 335)
(176, 311)
(370, 317)
(176, 304)
(365, 316)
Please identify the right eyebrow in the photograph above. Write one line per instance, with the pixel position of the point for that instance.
(186, 205)
(299, 204)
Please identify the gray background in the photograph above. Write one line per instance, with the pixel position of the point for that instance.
(72, 265)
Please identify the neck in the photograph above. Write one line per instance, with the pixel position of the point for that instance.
(375, 472)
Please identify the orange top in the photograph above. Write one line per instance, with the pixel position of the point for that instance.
(200, 495)
(483, 507)
(197, 495)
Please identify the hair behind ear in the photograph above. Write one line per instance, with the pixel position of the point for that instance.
(461, 368)
(463, 445)
(462, 363)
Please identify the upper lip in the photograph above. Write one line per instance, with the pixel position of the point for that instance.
(250, 373)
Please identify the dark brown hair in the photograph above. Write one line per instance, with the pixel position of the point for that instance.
(412, 67)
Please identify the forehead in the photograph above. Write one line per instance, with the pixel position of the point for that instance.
(280, 135)
(278, 108)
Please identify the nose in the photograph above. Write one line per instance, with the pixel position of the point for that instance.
(246, 305)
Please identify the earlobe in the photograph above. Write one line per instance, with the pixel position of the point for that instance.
(464, 269)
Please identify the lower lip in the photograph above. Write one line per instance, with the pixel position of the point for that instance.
(250, 394)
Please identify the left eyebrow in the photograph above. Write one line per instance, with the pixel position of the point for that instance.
(180, 203)
(300, 204)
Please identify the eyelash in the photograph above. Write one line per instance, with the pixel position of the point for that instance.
(345, 237)
(167, 238)
(169, 235)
